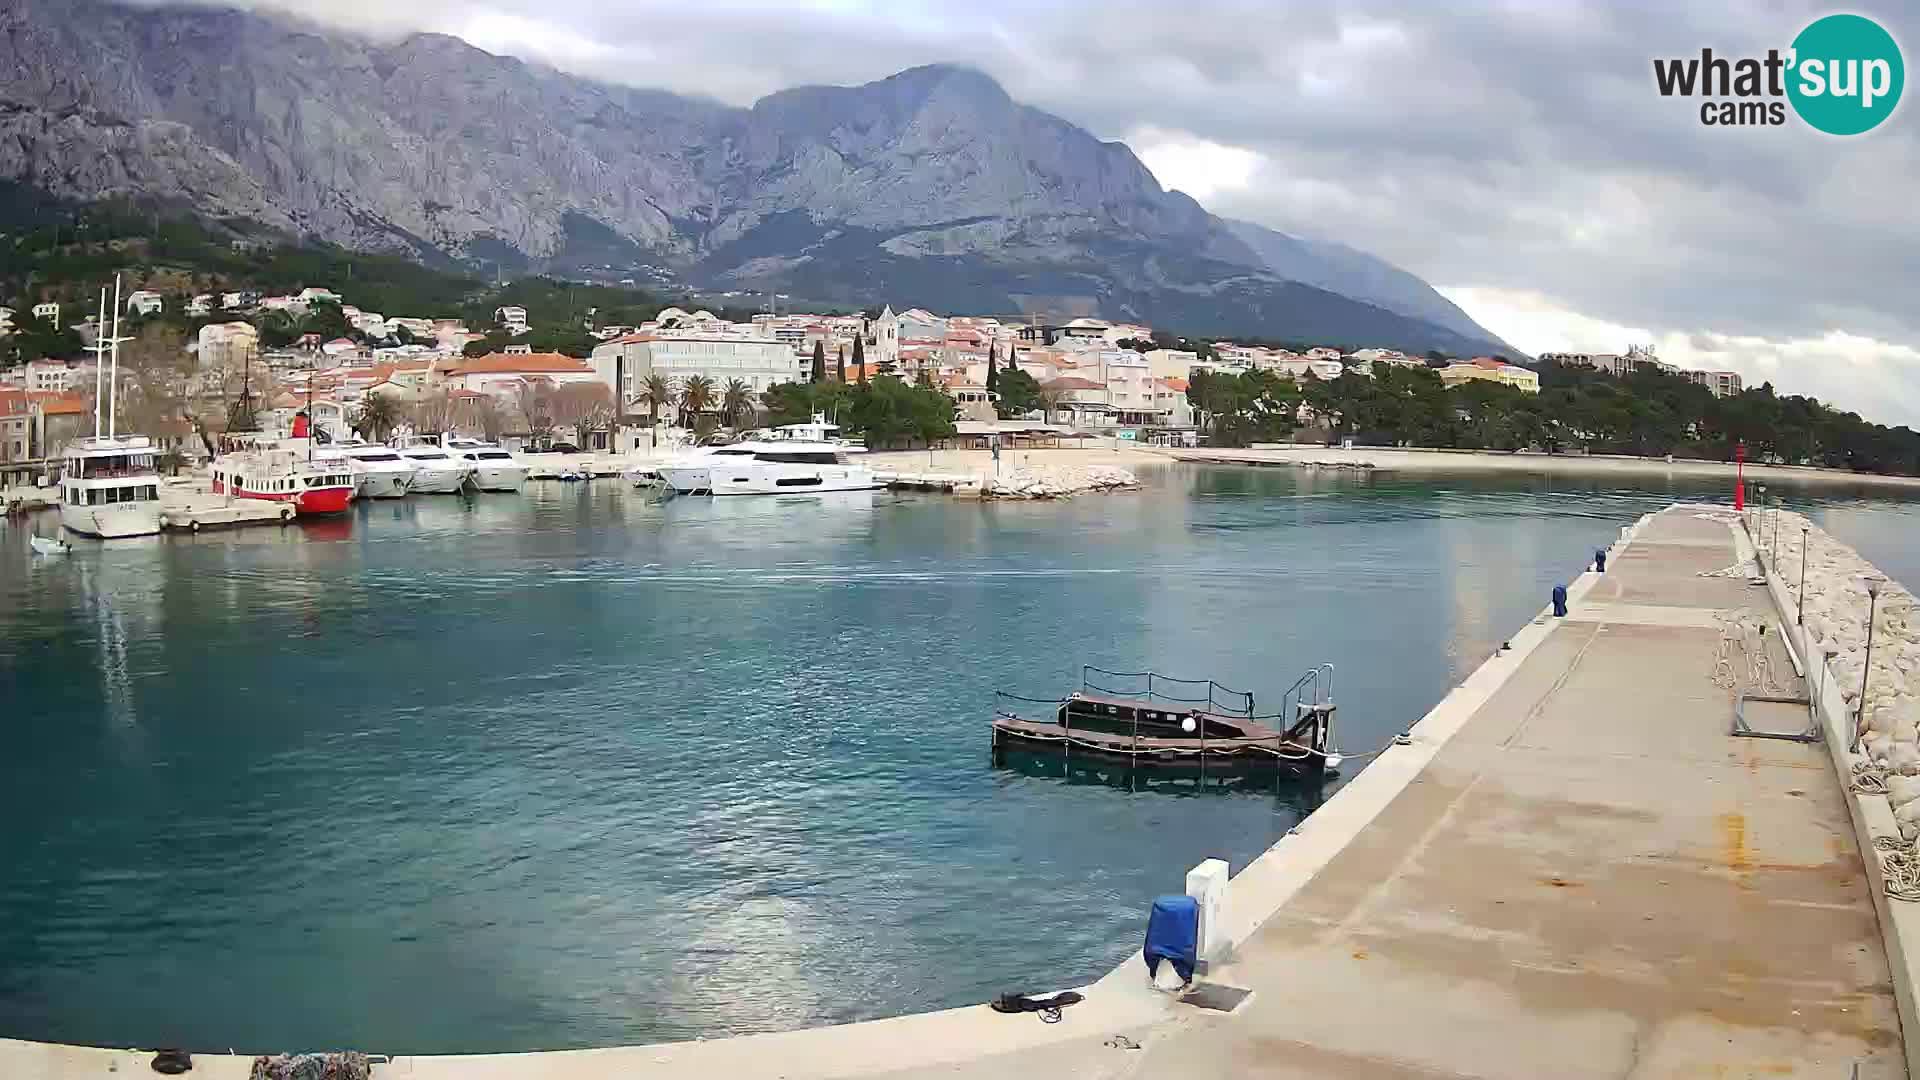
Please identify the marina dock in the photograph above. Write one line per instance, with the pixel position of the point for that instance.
(1571, 866)
(185, 508)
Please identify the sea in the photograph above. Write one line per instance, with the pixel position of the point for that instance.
(579, 767)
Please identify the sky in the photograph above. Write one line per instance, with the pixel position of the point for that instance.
(1514, 153)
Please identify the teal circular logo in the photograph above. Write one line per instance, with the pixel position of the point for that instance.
(1845, 75)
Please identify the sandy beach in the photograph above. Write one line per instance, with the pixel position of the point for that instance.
(1409, 460)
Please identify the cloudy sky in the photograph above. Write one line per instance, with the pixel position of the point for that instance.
(1513, 152)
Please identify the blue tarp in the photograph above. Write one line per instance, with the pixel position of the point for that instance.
(1173, 934)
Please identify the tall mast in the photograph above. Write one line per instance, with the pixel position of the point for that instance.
(99, 348)
(113, 377)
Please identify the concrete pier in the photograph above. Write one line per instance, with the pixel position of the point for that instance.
(1570, 867)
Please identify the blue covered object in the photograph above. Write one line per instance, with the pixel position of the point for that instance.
(1173, 935)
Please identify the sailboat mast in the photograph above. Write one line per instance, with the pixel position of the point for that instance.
(113, 377)
(99, 358)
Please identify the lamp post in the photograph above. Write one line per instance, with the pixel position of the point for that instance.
(1874, 584)
(1801, 618)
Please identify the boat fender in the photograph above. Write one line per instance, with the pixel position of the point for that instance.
(286, 514)
(172, 1062)
(194, 525)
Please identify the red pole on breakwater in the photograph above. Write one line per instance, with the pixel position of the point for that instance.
(1739, 476)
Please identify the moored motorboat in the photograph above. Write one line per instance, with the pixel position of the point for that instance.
(494, 468)
(43, 545)
(379, 472)
(435, 472)
(795, 458)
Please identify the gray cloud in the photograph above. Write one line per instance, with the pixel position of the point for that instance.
(1509, 145)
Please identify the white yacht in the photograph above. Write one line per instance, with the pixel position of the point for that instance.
(379, 472)
(494, 469)
(435, 471)
(109, 487)
(782, 466)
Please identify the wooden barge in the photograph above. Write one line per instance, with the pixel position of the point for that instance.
(1157, 722)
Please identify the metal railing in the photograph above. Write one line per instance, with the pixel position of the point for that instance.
(1153, 685)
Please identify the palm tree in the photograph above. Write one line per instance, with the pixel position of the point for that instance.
(379, 414)
(656, 393)
(696, 396)
(735, 402)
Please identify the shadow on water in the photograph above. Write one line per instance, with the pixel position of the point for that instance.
(1183, 779)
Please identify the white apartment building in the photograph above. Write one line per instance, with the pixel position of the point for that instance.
(145, 302)
(227, 346)
(47, 376)
(513, 318)
(48, 312)
(1171, 363)
(1721, 383)
(760, 362)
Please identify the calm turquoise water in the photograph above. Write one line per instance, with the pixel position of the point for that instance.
(572, 769)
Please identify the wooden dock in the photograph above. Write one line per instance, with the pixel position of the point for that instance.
(186, 510)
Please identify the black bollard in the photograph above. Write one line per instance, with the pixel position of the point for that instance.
(1600, 560)
(1560, 601)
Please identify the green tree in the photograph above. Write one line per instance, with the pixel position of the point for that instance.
(860, 356)
(840, 363)
(696, 397)
(1018, 394)
(819, 362)
(656, 393)
(890, 412)
(377, 416)
(993, 368)
(736, 400)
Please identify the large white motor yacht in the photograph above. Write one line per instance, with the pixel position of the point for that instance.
(494, 468)
(379, 472)
(784, 466)
(435, 472)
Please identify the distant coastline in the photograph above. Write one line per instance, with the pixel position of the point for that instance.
(1402, 459)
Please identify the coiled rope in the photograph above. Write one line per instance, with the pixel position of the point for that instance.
(1900, 866)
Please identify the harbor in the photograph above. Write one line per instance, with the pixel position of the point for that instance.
(1546, 854)
(1571, 863)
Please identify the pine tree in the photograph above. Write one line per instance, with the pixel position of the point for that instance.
(860, 357)
(993, 367)
(819, 362)
(840, 364)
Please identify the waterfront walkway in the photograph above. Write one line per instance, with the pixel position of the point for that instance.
(1573, 870)
(1591, 878)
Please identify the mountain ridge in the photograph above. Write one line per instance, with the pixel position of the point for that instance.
(932, 186)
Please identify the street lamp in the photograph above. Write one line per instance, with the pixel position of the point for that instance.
(1874, 585)
(1801, 618)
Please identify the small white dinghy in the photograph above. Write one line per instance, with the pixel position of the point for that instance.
(44, 546)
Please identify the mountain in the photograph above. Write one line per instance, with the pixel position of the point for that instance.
(929, 188)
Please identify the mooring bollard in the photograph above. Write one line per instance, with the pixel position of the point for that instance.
(1560, 601)
(1599, 560)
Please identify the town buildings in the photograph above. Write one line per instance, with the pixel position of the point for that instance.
(1488, 369)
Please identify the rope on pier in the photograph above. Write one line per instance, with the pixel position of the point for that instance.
(1869, 778)
(1900, 866)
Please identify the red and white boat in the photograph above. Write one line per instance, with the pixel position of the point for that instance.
(315, 479)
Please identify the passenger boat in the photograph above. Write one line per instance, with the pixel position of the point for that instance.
(109, 485)
(1146, 720)
(379, 472)
(313, 479)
